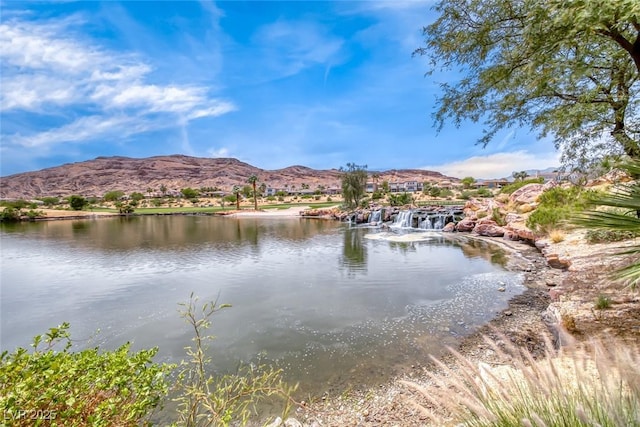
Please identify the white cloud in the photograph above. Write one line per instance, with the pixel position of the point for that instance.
(218, 152)
(291, 46)
(85, 128)
(47, 67)
(499, 165)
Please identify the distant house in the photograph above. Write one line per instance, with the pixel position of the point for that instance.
(492, 183)
(371, 187)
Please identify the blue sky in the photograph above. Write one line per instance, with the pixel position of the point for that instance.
(273, 84)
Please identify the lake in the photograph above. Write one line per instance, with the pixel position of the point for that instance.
(335, 306)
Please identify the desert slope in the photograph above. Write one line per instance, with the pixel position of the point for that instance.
(96, 177)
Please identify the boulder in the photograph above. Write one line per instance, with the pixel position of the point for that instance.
(488, 229)
(526, 194)
(449, 228)
(467, 224)
(521, 231)
(555, 261)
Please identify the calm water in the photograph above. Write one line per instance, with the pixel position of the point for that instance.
(334, 306)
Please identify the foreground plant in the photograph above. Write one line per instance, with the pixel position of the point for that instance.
(208, 400)
(91, 387)
(593, 385)
(615, 216)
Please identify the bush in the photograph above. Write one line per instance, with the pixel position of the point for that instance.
(484, 192)
(10, 215)
(602, 303)
(544, 219)
(81, 388)
(400, 199)
(77, 203)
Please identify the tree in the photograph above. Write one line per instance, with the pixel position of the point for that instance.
(77, 203)
(520, 176)
(253, 180)
(236, 191)
(354, 180)
(189, 193)
(163, 189)
(136, 196)
(113, 196)
(468, 181)
(566, 68)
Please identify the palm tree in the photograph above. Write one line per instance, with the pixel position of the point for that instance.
(252, 180)
(236, 191)
(621, 217)
(163, 189)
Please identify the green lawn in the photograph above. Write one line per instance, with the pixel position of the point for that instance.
(195, 209)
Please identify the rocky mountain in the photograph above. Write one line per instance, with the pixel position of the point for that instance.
(103, 174)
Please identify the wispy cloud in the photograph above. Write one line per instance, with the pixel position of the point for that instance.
(499, 165)
(288, 47)
(49, 68)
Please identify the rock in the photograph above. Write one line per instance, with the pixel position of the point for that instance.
(501, 289)
(466, 224)
(508, 313)
(554, 261)
(513, 217)
(521, 231)
(526, 194)
(449, 228)
(292, 422)
(489, 229)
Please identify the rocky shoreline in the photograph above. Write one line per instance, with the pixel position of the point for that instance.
(563, 280)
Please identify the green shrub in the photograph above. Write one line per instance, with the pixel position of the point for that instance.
(10, 215)
(50, 201)
(400, 199)
(484, 192)
(271, 198)
(508, 189)
(603, 302)
(15, 204)
(544, 219)
(90, 387)
(497, 217)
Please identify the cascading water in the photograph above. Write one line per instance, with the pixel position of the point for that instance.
(433, 222)
(375, 217)
(425, 220)
(403, 220)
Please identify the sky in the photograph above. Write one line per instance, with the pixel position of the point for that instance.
(273, 84)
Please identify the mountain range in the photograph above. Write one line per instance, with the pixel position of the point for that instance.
(146, 175)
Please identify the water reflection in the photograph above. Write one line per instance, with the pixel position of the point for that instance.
(354, 252)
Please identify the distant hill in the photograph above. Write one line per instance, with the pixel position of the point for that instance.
(103, 174)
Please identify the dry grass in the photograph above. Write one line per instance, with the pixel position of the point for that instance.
(596, 384)
(557, 236)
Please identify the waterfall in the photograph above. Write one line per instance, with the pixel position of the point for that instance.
(403, 220)
(375, 217)
(433, 222)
